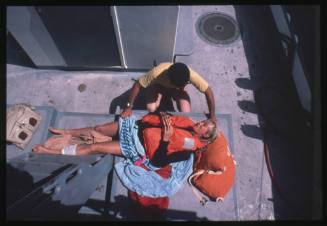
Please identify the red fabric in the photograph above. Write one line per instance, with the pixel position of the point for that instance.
(215, 155)
(160, 203)
(164, 172)
(216, 158)
(217, 185)
(152, 135)
(176, 120)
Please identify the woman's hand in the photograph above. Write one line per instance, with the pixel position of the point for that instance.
(126, 112)
(164, 114)
(168, 129)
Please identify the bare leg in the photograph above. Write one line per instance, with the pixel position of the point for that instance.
(73, 132)
(108, 129)
(153, 97)
(41, 149)
(183, 100)
(110, 147)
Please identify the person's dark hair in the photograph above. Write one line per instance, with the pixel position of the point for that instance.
(179, 74)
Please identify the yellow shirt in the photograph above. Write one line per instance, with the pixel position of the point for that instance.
(158, 75)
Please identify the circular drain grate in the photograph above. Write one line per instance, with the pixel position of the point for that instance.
(217, 28)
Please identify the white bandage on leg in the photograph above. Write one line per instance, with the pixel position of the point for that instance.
(69, 150)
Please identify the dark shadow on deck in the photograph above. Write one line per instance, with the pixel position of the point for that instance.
(281, 118)
(27, 201)
(139, 104)
(15, 53)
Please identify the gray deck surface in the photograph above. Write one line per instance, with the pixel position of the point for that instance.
(30, 176)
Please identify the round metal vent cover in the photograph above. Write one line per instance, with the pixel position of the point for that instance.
(217, 28)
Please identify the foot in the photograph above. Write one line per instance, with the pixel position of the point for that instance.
(37, 148)
(41, 149)
(58, 131)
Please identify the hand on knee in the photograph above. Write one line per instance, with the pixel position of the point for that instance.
(152, 107)
(184, 106)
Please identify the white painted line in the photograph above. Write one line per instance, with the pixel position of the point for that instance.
(179, 7)
(119, 38)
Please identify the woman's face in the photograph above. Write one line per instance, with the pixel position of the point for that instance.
(201, 128)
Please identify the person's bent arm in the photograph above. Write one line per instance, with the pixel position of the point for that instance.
(211, 103)
(161, 158)
(134, 92)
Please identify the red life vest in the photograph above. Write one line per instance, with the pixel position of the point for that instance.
(181, 140)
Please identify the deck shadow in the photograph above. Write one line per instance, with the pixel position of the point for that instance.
(281, 117)
(139, 103)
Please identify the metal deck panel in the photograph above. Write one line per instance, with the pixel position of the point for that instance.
(184, 44)
(147, 34)
(74, 178)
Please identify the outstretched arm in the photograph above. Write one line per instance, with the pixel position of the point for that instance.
(134, 92)
(211, 103)
(161, 158)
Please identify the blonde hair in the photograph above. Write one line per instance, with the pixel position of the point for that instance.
(212, 132)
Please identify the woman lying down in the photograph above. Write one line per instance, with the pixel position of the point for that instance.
(156, 141)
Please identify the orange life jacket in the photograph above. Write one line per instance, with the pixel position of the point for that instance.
(213, 171)
(181, 140)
